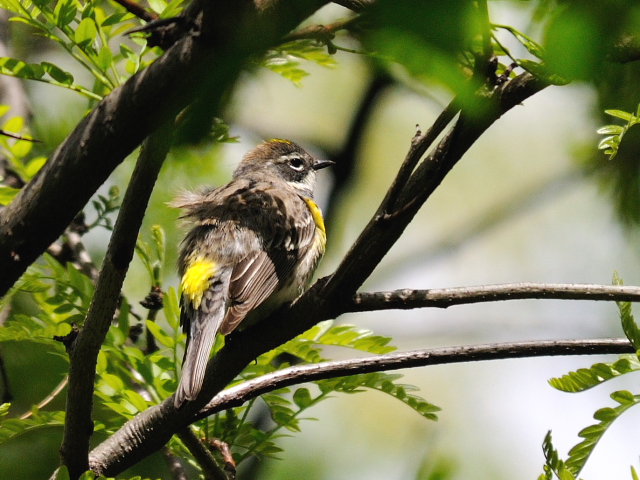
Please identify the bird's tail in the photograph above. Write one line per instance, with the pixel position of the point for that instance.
(203, 329)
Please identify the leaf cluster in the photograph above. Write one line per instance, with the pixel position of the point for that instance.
(611, 143)
(85, 30)
(584, 379)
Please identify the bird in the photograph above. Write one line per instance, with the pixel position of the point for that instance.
(253, 245)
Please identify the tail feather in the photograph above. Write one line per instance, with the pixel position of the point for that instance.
(203, 330)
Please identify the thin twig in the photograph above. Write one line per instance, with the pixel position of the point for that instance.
(203, 456)
(4, 379)
(225, 452)
(153, 302)
(321, 33)
(137, 10)
(406, 299)
(419, 145)
(174, 464)
(238, 395)
(56, 391)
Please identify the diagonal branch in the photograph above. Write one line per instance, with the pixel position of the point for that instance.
(238, 395)
(83, 353)
(407, 299)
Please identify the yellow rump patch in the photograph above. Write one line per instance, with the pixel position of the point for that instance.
(196, 280)
(318, 220)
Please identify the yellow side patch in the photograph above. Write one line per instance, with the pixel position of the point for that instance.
(196, 280)
(318, 220)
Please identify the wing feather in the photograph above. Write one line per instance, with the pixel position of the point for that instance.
(259, 275)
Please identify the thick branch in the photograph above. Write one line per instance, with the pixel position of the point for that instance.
(83, 354)
(238, 395)
(407, 299)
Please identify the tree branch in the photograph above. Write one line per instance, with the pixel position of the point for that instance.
(407, 299)
(321, 33)
(83, 353)
(203, 456)
(238, 395)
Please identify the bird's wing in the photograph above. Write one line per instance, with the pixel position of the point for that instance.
(289, 235)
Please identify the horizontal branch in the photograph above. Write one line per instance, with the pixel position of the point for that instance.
(238, 395)
(407, 299)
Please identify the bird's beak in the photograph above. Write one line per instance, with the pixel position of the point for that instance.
(320, 164)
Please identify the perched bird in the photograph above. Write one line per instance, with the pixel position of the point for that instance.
(254, 245)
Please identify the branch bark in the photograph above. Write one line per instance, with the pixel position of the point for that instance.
(238, 395)
(406, 299)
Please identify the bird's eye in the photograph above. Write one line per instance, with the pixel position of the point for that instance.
(296, 163)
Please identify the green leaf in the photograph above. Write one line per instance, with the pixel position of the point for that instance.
(123, 318)
(627, 117)
(302, 398)
(64, 13)
(127, 53)
(7, 194)
(18, 68)
(159, 334)
(34, 165)
(172, 308)
(287, 68)
(527, 42)
(136, 400)
(57, 73)
(629, 325)
(579, 454)
(24, 328)
(114, 19)
(157, 6)
(104, 57)
(173, 9)
(586, 378)
(540, 70)
(611, 130)
(14, 427)
(86, 32)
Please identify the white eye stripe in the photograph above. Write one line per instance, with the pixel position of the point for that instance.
(294, 161)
